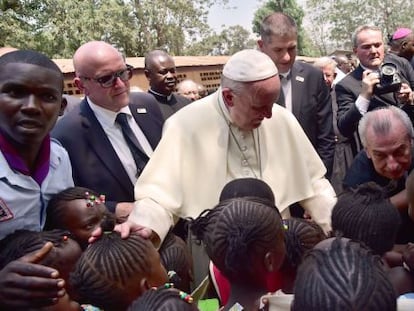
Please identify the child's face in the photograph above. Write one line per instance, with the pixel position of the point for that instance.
(157, 275)
(154, 276)
(81, 220)
(64, 257)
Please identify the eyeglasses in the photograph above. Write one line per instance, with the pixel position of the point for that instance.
(110, 80)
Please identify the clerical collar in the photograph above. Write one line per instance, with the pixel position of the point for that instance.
(161, 95)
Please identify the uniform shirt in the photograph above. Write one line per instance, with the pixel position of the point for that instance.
(22, 201)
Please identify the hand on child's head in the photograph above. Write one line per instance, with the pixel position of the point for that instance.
(24, 277)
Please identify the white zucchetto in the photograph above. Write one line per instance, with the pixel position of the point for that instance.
(249, 66)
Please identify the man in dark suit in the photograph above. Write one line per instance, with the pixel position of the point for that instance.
(305, 92)
(355, 93)
(161, 74)
(103, 154)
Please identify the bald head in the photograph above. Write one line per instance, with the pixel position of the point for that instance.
(188, 88)
(92, 55)
(100, 74)
(343, 63)
(161, 72)
(7, 49)
(156, 56)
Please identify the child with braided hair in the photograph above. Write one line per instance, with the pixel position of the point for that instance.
(63, 255)
(342, 275)
(241, 188)
(300, 237)
(112, 272)
(365, 214)
(164, 298)
(244, 238)
(79, 210)
(177, 260)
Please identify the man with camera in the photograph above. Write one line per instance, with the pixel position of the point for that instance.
(380, 80)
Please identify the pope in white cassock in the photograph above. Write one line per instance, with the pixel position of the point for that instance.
(236, 132)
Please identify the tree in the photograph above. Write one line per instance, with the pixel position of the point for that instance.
(58, 27)
(230, 40)
(334, 21)
(289, 7)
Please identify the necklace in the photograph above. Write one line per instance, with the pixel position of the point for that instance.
(242, 150)
(245, 160)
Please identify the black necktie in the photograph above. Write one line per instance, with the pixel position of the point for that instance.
(281, 100)
(139, 156)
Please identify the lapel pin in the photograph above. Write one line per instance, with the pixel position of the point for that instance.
(300, 79)
(142, 110)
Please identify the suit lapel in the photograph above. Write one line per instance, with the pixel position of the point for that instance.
(143, 119)
(297, 90)
(101, 146)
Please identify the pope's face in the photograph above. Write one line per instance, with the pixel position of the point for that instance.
(253, 104)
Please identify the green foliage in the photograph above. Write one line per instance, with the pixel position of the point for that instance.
(289, 7)
(59, 27)
(228, 42)
(333, 21)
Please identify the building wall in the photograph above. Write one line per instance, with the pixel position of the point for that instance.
(205, 70)
(209, 76)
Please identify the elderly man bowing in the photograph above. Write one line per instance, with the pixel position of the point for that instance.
(227, 135)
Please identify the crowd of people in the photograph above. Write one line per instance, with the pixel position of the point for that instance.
(291, 179)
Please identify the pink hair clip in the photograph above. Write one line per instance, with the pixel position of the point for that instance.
(91, 200)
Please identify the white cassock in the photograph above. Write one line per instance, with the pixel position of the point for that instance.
(190, 167)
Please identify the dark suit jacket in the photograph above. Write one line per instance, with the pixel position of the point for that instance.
(311, 105)
(171, 106)
(348, 90)
(94, 161)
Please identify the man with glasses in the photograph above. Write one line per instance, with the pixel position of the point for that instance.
(112, 133)
(161, 74)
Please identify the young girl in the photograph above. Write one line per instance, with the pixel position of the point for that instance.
(164, 298)
(62, 257)
(80, 211)
(340, 274)
(300, 237)
(112, 272)
(176, 258)
(240, 188)
(244, 239)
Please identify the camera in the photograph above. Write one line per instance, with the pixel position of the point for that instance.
(390, 80)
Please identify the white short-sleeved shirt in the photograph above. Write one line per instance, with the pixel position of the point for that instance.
(22, 201)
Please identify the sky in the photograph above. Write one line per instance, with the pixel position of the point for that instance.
(238, 12)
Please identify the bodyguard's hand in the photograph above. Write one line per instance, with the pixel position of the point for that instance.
(24, 283)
